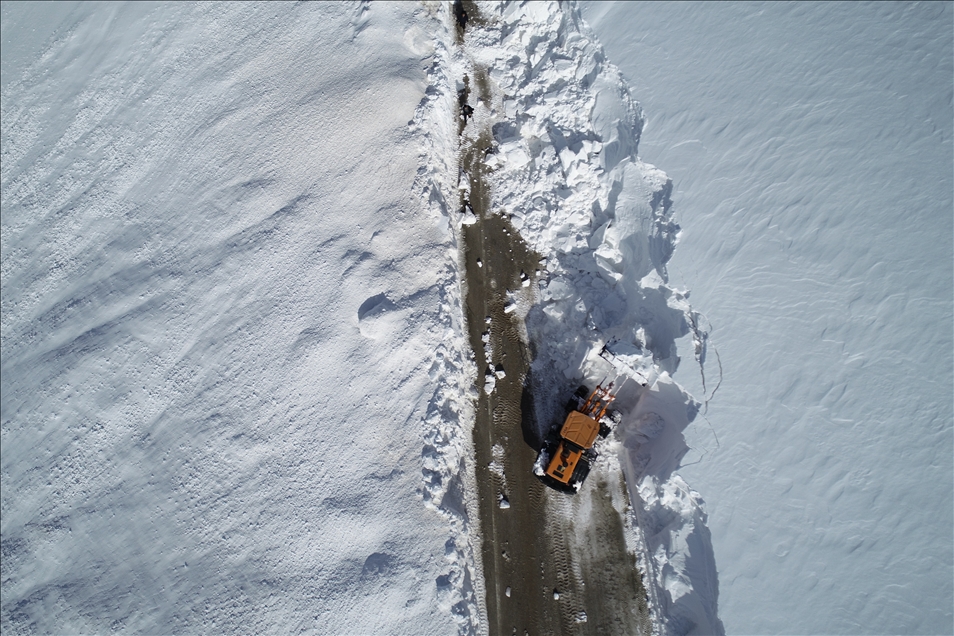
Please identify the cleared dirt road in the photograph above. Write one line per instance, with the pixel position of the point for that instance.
(554, 563)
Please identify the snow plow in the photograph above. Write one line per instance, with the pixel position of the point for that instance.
(565, 458)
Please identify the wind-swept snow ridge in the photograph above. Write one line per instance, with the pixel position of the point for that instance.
(565, 173)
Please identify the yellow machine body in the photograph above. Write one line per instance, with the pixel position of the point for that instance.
(578, 434)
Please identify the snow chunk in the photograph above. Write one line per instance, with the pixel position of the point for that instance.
(490, 382)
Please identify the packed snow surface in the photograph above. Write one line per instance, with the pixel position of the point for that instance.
(230, 344)
(810, 150)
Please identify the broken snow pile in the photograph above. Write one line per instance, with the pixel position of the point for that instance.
(565, 171)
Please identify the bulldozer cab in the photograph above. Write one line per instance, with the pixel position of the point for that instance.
(564, 462)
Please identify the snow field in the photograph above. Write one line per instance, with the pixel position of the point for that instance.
(810, 150)
(230, 329)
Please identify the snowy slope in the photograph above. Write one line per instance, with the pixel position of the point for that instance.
(225, 317)
(810, 149)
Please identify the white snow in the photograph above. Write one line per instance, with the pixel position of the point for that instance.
(490, 382)
(810, 149)
(236, 389)
(231, 345)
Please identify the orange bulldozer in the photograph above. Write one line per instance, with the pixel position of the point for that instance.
(564, 461)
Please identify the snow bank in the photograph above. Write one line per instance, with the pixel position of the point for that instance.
(565, 171)
(231, 348)
(448, 452)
